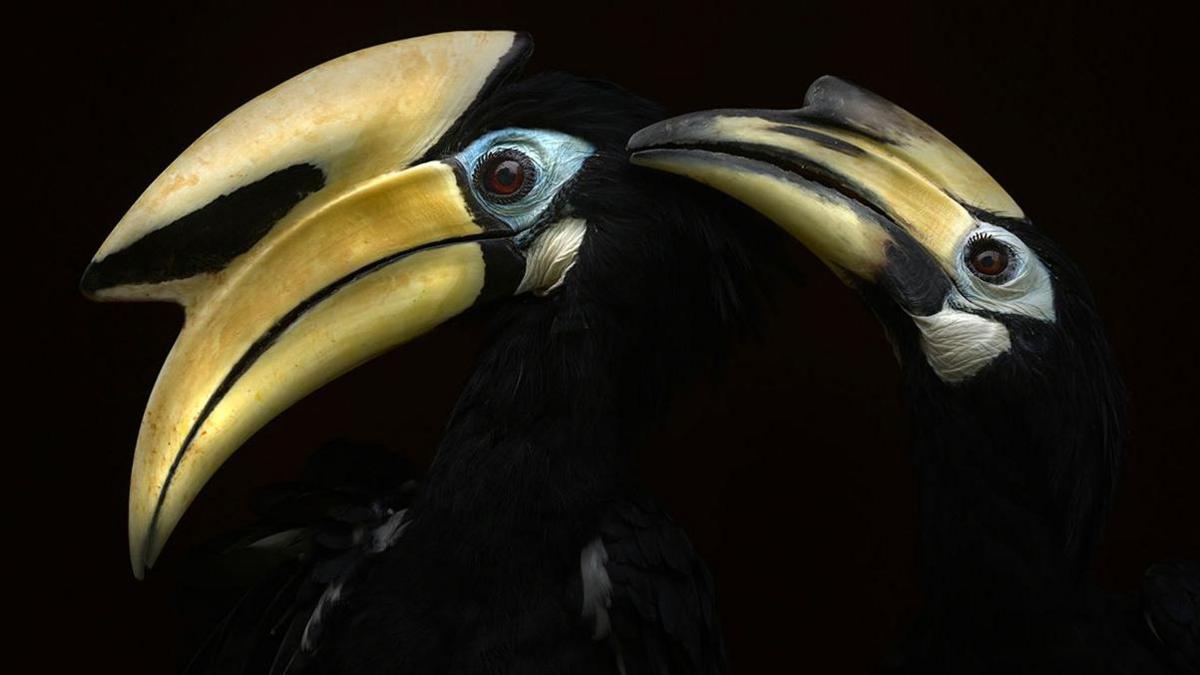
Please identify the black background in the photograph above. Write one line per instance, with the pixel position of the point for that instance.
(789, 470)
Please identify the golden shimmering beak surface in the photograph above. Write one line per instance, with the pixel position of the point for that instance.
(840, 174)
(303, 234)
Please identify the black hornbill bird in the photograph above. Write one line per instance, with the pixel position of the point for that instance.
(366, 201)
(1016, 404)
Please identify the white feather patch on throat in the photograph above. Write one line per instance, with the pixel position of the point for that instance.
(958, 344)
(597, 587)
(552, 255)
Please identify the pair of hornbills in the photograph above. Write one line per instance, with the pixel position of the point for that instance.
(374, 197)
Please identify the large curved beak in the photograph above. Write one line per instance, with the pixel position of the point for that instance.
(855, 178)
(303, 234)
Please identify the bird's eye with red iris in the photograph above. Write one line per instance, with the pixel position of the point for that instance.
(504, 176)
(989, 259)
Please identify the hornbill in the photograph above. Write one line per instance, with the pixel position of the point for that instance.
(364, 202)
(1015, 400)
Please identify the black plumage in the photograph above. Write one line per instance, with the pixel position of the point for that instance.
(482, 572)
(1017, 406)
(1017, 467)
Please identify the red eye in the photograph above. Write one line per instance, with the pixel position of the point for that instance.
(988, 258)
(505, 176)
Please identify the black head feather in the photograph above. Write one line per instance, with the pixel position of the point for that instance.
(667, 274)
(1018, 463)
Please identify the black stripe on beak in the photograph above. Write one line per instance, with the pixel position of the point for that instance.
(206, 239)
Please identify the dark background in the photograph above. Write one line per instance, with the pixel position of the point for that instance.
(789, 471)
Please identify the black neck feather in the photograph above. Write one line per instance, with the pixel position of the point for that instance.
(570, 383)
(1016, 466)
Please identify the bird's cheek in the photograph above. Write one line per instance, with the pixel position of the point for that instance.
(551, 256)
(959, 344)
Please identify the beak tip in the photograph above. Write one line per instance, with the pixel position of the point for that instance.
(144, 547)
(674, 131)
(643, 139)
(98, 284)
(141, 558)
(89, 283)
(137, 564)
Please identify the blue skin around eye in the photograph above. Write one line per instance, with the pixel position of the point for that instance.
(556, 158)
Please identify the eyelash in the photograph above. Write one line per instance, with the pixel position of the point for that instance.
(977, 237)
(1014, 256)
(531, 173)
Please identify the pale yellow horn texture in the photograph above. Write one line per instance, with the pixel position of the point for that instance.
(305, 233)
(353, 118)
(845, 174)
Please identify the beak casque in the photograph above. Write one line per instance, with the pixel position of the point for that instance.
(848, 175)
(303, 234)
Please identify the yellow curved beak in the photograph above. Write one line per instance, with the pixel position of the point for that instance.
(849, 175)
(303, 234)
